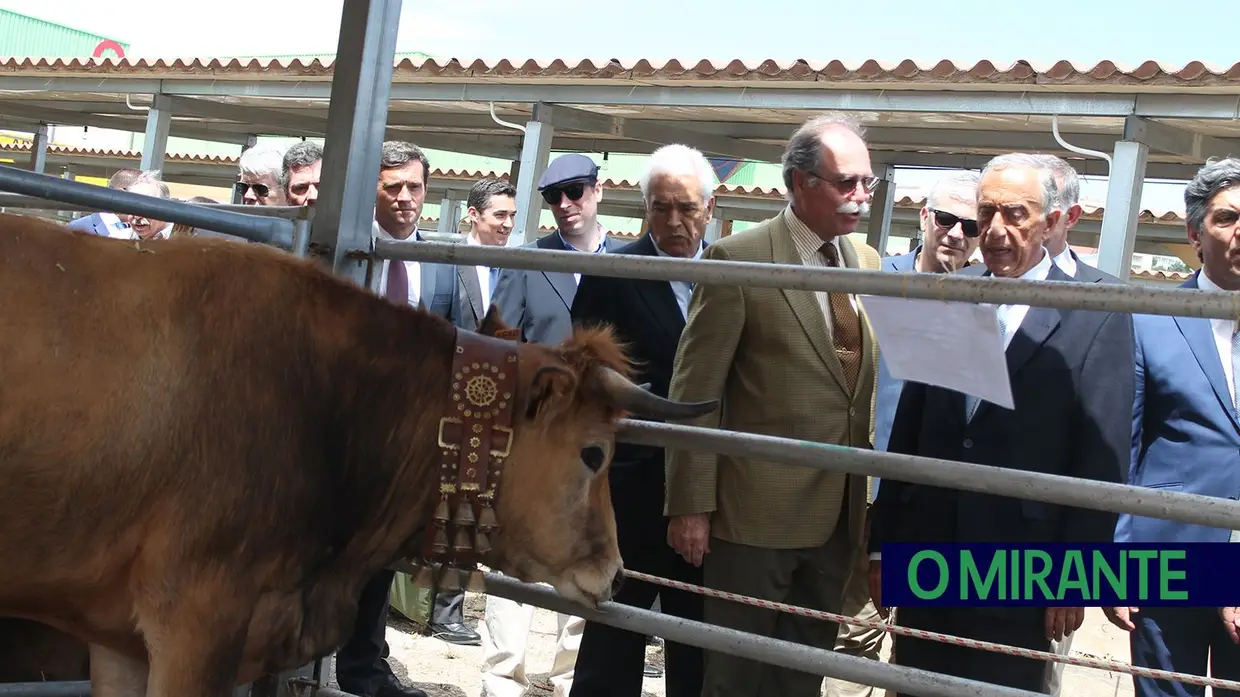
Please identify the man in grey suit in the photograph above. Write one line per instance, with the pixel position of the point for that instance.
(104, 223)
(1069, 184)
(492, 209)
(538, 302)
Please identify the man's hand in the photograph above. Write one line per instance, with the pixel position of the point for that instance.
(1231, 622)
(1122, 617)
(1062, 621)
(689, 535)
(876, 587)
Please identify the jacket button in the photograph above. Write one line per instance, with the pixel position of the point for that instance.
(968, 442)
(852, 411)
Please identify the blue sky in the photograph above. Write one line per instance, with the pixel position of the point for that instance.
(964, 31)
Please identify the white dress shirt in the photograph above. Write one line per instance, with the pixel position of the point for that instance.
(483, 273)
(1223, 331)
(683, 290)
(809, 249)
(1066, 262)
(413, 268)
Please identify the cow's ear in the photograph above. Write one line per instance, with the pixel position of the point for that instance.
(552, 390)
(493, 325)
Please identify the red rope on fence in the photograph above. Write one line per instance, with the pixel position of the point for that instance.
(942, 638)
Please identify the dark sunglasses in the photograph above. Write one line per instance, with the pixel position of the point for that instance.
(948, 221)
(573, 191)
(260, 190)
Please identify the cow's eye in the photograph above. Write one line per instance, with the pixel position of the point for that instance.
(594, 457)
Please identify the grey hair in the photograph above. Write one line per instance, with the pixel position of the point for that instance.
(398, 153)
(678, 160)
(1215, 177)
(804, 151)
(262, 160)
(1051, 200)
(152, 177)
(302, 154)
(950, 185)
(1066, 178)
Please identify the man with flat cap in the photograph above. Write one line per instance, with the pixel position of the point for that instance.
(539, 303)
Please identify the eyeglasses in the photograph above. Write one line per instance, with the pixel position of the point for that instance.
(948, 221)
(573, 191)
(260, 190)
(848, 184)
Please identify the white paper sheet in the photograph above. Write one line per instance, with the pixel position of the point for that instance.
(953, 345)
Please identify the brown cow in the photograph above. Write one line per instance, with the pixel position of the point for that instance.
(207, 448)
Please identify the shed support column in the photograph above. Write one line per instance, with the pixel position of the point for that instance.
(880, 209)
(514, 173)
(38, 150)
(714, 229)
(356, 124)
(1119, 221)
(535, 151)
(155, 141)
(449, 216)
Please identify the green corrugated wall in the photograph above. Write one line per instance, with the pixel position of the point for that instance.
(22, 36)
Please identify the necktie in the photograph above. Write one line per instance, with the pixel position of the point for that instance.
(846, 325)
(494, 277)
(398, 283)
(971, 403)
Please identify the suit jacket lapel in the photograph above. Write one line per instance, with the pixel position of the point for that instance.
(659, 297)
(1199, 335)
(1035, 329)
(473, 290)
(805, 304)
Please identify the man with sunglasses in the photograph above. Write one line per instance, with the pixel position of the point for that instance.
(1057, 238)
(948, 228)
(539, 303)
(258, 182)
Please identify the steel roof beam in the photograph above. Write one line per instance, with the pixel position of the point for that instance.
(1085, 167)
(566, 118)
(65, 117)
(1179, 141)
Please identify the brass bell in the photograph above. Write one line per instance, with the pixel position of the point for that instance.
(441, 511)
(450, 580)
(464, 514)
(461, 543)
(425, 577)
(486, 519)
(481, 543)
(477, 582)
(441, 542)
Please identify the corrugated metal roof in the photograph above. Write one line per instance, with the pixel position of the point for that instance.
(25, 36)
(943, 72)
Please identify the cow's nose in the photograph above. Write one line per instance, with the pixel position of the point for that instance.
(616, 582)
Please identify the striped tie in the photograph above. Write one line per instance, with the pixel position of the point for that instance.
(846, 324)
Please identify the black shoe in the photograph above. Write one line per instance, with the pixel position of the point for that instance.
(652, 671)
(455, 633)
(392, 688)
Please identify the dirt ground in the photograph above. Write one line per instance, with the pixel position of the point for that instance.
(444, 670)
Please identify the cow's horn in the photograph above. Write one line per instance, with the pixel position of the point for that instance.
(631, 397)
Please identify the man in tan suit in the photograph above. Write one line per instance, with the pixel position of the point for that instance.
(796, 364)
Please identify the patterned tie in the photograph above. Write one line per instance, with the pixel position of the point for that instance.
(971, 403)
(846, 325)
(494, 278)
(398, 283)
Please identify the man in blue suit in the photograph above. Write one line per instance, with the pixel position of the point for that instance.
(1186, 437)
